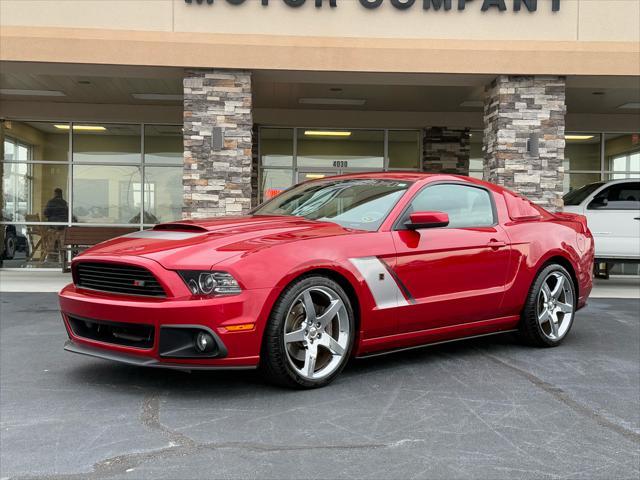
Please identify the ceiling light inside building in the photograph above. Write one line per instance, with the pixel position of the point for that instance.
(158, 96)
(31, 93)
(630, 106)
(327, 133)
(332, 101)
(82, 128)
(578, 137)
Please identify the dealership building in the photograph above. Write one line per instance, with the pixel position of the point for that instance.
(125, 113)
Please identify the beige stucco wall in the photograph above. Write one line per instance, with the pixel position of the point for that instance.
(584, 37)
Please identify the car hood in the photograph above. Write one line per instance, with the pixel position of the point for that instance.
(194, 243)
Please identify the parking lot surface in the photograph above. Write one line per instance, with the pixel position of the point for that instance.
(487, 408)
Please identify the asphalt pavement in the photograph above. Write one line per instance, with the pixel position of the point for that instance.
(486, 408)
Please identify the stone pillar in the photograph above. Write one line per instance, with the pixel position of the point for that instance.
(217, 143)
(446, 150)
(519, 113)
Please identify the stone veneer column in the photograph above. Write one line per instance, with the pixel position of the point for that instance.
(446, 150)
(216, 181)
(518, 110)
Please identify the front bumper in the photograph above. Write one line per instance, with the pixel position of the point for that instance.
(140, 361)
(239, 349)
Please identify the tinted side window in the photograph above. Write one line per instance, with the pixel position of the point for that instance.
(467, 206)
(623, 196)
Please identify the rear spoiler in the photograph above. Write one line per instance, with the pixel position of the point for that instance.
(573, 217)
(520, 209)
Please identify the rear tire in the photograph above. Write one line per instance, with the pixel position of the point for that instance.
(10, 245)
(550, 308)
(310, 334)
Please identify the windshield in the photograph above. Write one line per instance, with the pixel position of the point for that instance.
(361, 203)
(576, 197)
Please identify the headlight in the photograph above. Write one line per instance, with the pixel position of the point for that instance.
(210, 283)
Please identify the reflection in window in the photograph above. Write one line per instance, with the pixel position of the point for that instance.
(622, 156)
(276, 147)
(106, 143)
(163, 194)
(476, 155)
(362, 149)
(163, 144)
(105, 194)
(35, 192)
(274, 182)
(404, 149)
(37, 141)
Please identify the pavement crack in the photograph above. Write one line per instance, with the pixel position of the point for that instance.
(150, 418)
(126, 463)
(564, 398)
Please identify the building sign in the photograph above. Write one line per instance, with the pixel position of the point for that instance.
(484, 5)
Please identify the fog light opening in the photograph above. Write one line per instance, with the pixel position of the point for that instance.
(205, 342)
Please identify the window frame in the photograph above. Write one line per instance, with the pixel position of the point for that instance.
(399, 223)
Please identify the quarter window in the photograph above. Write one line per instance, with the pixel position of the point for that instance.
(466, 206)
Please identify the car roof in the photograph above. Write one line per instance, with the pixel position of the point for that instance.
(420, 177)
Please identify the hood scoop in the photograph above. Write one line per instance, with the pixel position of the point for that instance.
(179, 227)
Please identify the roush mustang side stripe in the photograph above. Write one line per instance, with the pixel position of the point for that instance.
(381, 283)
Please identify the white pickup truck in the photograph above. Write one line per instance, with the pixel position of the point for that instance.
(613, 216)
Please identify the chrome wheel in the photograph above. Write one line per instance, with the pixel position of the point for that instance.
(316, 333)
(554, 306)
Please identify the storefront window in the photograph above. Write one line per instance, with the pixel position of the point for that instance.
(105, 194)
(404, 149)
(352, 149)
(163, 194)
(476, 155)
(106, 143)
(35, 192)
(163, 144)
(276, 147)
(274, 182)
(581, 159)
(622, 156)
(36, 141)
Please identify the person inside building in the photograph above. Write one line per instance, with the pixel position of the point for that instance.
(57, 209)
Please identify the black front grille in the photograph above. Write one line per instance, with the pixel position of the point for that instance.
(117, 278)
(128, 334)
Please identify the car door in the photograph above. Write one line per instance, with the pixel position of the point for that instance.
(613, 216)
(454, 274)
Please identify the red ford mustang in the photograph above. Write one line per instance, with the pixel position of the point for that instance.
(330, 269)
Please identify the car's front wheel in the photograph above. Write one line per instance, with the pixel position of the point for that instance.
(309, 337)
(550, 308)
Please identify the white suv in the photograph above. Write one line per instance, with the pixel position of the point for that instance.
(613, 216)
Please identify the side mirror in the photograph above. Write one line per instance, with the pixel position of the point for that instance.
(599, 202)
(419, 220)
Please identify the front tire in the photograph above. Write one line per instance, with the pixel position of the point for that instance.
(550, 308)
(310, 334)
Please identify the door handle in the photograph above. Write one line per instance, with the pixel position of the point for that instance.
(495, 244)
(637, 218)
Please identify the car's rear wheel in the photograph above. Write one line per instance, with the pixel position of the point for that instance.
(10, 245)
(310, 334)
(550, 308)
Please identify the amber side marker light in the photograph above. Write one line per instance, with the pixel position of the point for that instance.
(240, 328)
